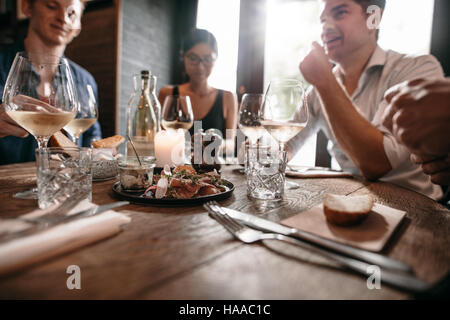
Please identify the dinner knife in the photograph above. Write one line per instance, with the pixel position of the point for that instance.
(60, 220)
(363, 255)
(306, 169)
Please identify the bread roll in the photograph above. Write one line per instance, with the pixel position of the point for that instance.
(110, 142)
(346, 210)
(60, 140)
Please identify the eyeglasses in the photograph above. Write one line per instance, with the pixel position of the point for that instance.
(195, 60)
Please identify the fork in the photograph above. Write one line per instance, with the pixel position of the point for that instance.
(249, 235)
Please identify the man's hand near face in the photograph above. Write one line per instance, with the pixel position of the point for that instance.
(316, 68)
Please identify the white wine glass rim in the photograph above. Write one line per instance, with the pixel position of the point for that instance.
(47, 59)
(286, 82)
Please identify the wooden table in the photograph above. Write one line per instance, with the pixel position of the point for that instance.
(181, 253)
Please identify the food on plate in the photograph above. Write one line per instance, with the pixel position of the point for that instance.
(188, 168)
(58, 139)
(110, 142)
(346, 210)
(183, 182)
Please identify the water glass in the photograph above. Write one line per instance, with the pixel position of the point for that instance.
(265, 172)
(63, 173)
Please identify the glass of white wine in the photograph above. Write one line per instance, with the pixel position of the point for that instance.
(250, 121)
(284, 112)
(39, 96)
(87, 113)
(250, 117)
(177, 113)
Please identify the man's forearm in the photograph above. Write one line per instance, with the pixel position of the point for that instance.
(358, 138)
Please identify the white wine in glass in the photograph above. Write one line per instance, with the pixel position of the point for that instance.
(282, 131)
(87, 113)
(40, 124)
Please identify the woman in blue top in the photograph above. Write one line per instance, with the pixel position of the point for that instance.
(216, 108)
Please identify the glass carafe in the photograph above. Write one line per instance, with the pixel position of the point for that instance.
(155, 102)
(142, 120)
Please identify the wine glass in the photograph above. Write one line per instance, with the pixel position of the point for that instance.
(177, 113)
(39, 96)
(250, 117)
(250, 120)
(87, 113)
(284, 112)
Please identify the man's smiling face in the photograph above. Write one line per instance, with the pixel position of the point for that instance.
(344, 28)
(55, 21)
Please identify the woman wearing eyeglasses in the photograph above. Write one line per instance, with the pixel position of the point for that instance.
(216, 108)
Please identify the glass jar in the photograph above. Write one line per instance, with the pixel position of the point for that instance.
(135, 176)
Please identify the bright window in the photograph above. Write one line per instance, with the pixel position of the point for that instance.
(406, 26)
(291, 28)
(221, 18)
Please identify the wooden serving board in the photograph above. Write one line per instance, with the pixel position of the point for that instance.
(371, 234)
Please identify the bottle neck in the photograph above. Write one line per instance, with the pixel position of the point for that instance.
(145, 85)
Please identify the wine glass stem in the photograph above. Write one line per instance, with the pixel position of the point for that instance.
(282, 146)
(75, 139)
(42, 141)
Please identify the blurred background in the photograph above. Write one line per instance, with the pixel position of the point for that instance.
(258, 40)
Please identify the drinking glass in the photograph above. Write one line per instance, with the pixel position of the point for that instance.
(177, 112)
(63, 173)
(284, 112)
(87, 113)
(266, 173)
(39, 96)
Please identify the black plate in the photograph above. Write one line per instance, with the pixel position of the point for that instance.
(138, 197)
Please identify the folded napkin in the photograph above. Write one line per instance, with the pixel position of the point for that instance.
(22, 252)
(306, 172)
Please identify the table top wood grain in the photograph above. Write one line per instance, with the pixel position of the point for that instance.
(181, 253)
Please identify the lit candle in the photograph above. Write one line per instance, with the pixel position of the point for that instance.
(169, 147)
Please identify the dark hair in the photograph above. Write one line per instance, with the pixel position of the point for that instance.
(197, 36)
(366, 3)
